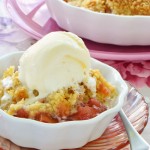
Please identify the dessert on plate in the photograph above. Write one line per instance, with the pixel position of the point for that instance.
(121, 7)
(54, 82)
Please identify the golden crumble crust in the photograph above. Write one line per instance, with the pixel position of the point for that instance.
(121, 7)
(61, 103)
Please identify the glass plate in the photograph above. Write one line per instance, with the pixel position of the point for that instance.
(29, 16)
(115, 136)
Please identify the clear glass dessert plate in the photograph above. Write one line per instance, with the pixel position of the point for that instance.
(29, 17)
(115, 136)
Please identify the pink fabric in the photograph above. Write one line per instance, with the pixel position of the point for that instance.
(137, 72)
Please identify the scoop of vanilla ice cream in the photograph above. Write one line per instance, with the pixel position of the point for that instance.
(60, 59)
